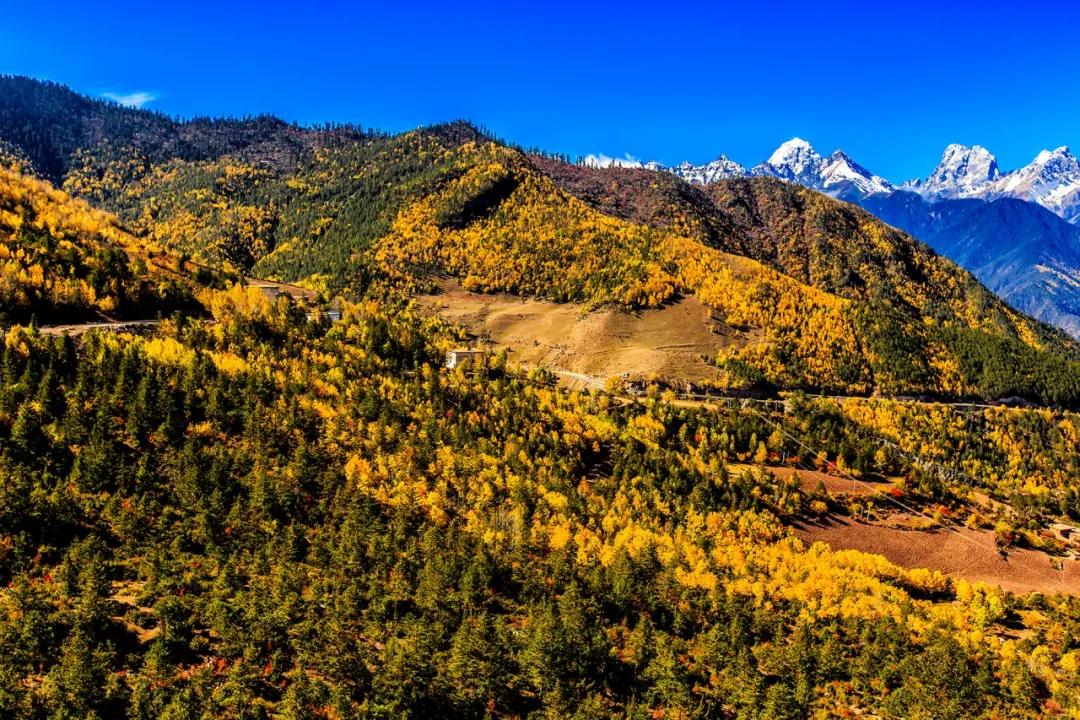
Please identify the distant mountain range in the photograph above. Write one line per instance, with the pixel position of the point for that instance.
(1026, 254)
(1051, 180)
(794, 161)
(1016, 231)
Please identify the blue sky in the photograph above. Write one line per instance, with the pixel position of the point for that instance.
(668, 81)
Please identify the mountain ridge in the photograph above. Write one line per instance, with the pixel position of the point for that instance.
(1051, 179)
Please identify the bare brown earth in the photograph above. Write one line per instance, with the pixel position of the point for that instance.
(834, 485)
(294, 291)
(590, 346)
(959, 552)
(115, 326)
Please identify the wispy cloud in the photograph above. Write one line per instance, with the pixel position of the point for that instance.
(133, 99)
(603, 161)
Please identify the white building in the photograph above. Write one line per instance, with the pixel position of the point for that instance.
(460, 357)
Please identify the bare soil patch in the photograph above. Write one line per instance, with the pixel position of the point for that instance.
(667, 342)
(810, 479)
(960, 552)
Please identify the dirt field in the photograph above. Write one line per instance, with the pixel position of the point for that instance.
(116, 326)
(809, 479)
(294, 291)
(666, 342)
(965, 553)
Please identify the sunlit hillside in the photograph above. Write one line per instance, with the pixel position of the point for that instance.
(61, 260)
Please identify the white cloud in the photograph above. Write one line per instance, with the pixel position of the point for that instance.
(602, 161)
(134, 99)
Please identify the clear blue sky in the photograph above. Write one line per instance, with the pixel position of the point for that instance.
(661, 80)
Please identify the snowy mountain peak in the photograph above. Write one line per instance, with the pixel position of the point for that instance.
(963, 172)
(1046, 156)
(796, 156)
(840, 174)
(719, 169)
(1052, 180)
(1053, 164)
(794, 161)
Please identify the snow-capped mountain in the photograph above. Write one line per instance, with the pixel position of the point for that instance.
(962, 173)
(795, 161)
(719, 169)
(838, 171)
(1052, 179)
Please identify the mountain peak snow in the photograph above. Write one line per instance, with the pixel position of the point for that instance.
(963, 172)
(719, 169)
(839, 173)
(1047, 155)
(794, 160)
(1052, 179)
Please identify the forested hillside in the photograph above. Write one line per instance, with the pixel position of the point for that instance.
(850, 305)
(315, 220)
(265, 517)
(908, 308)
(62, 261)
(55, 128)
(252, 511)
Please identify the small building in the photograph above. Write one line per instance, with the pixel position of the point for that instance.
(332, 314)
(274, 290)
(271, 292)
(634, 387)
(461, 357)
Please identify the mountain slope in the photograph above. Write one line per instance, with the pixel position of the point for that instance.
(62, 261)
(263, 518)
(828, 244)
(267, 517)
(1023, 252)
(643, 196)
(848, 302)
(318, 219)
